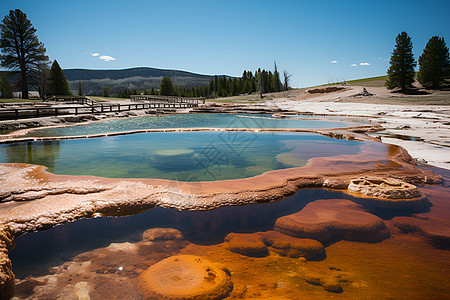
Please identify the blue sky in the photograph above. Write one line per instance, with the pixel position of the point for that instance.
(226, 37)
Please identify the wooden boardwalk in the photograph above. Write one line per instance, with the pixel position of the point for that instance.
(167, 99)
(90, 107)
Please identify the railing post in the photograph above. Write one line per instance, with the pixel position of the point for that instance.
(16, 111)
(56, 112)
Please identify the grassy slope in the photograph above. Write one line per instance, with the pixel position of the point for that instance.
(371, 82)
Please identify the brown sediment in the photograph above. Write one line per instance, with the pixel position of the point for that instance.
(246, 244)
(433, 225)
(352, 270)
(186, 277)
(260, 243)
(333, 220)
(290, 246)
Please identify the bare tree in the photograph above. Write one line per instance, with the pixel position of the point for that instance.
(260, 85)
(287, 77)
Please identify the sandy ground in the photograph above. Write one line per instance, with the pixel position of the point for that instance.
(423, 130)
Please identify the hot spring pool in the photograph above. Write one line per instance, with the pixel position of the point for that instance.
(185, 156)
(191, 121)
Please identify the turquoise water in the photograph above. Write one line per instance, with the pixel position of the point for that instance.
(188, 121)
(186, 156)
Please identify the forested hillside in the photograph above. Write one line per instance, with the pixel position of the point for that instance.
(93, 81)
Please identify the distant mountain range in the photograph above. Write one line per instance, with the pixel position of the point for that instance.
(93, 81)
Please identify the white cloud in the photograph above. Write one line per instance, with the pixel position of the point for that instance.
(364, 64)
(95, 54)
(354, 65)
(334, 62)
(107, 58)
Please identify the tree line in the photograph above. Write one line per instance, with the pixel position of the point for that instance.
(261, 81)
(434, 64)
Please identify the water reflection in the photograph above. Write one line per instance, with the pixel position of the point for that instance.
(59, 244)
(38, 153)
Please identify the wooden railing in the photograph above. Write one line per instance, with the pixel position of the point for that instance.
(36, 112)
(167, 99)
(83, 100)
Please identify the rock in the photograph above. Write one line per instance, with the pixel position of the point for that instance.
(387, 188)
(72, 119)
(126, 247)
(387, 193)
(246, 244)
(185, 277)
(330, 281)
(162, 234)
(291, 246)
(332, 220)
(82, 290)
(6, 274)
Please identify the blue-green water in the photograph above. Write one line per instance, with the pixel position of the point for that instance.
(186, 156)
(188, 121)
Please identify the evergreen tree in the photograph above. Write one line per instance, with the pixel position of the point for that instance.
(20, 47)
(401, 72)
(166, 87)
(5, 86)
(105, 91)
(80, 88)
(42, 79)
(260, 84)
(434, 63)
(216, 84)
(58, 82)
(276, 79)
(211, 85)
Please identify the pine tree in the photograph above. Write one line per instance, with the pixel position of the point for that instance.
(20, 47)
(276, 79)
(434, 63)
(105, 91)
(42, 79)
(80, 88)
(401, 72)
(58, 82)
(166, 87)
